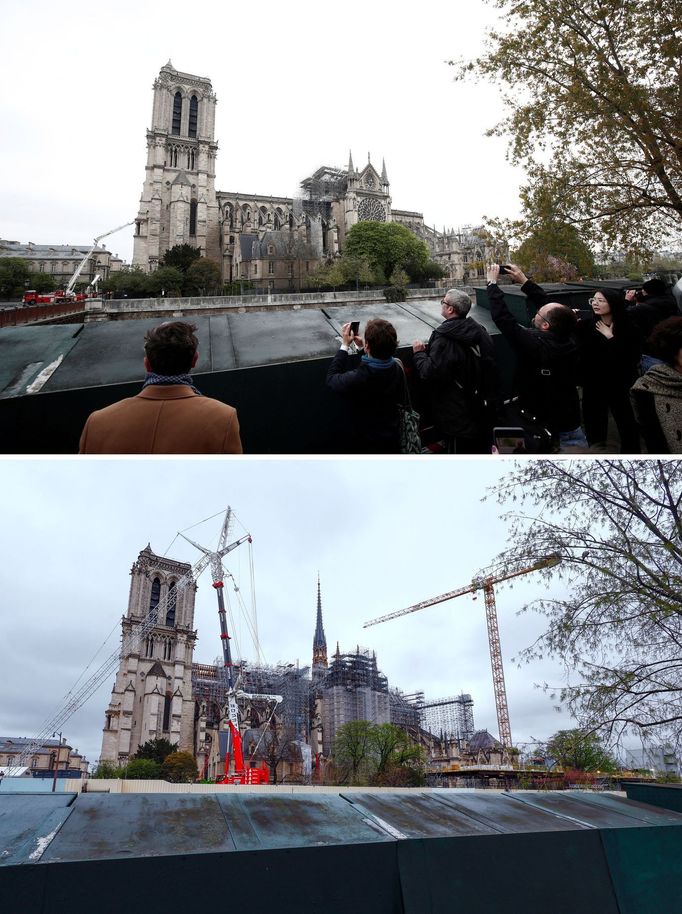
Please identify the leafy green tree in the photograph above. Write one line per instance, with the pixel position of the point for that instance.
(143, 769)
(106, 770)
(555, 253)
(385, 246)
(397, 759)
(132, 283)
(42, 282)
(592, 97)
(617, 625)
(355, 270)
(168, 280)
(180, 768)
(182, 256)
(353, 750)
(579, 750)
(202, 278)
(157, 750)
(14, 273)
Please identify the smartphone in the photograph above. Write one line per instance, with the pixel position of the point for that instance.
(504, 269)
(510, 440)
(355, 327)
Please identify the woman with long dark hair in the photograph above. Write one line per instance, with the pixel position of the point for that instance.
(610, 349)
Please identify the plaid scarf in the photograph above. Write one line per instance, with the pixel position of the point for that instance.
(166, 379)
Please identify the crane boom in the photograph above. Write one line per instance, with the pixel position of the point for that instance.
(79, 269)
(476, 584)
(485, 582)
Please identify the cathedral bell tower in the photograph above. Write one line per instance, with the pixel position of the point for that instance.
(152, 694)
(178, 203)
(319, 642)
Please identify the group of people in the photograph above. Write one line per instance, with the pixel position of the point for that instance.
(625, 357)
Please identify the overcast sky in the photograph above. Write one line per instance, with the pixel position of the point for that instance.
(383, 534)
(298, 86)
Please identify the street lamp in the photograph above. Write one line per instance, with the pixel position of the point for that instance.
(56, 767)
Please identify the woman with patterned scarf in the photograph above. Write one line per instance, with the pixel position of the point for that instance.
(374, 385)
(657, 395)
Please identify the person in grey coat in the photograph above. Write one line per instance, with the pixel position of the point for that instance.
(459, 377)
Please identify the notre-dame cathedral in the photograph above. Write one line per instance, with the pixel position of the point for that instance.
(261, 238)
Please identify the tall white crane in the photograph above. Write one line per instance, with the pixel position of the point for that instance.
(485, 582)
(214, 558)
(79, 270)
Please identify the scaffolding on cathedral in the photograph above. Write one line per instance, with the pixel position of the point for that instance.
(449, 718)
(209, 683)
(405, 710)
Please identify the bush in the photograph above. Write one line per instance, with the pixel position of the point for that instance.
(393, 294)
(107, 770)
(143, 769)
(180, 768)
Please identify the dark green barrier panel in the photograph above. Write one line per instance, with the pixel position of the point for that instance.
(665, 795)
(503, 814)
(352, 879)
(646, 868)
(549, 873)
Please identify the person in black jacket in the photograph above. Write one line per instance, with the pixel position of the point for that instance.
(547, 358)
(457, 366)
(610, 351)
(649, 306)
(374, 383)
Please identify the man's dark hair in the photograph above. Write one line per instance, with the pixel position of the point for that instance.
(381, 337)
(170, 347)
(655, 286)
(562, 321)
(666, 340)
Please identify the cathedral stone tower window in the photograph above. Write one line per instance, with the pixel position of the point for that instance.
(177, 114)
(155, 597)
(172, 600)
(193, 112)
(193, 217)
(166, 712)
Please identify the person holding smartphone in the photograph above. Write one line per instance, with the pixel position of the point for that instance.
(372, 380)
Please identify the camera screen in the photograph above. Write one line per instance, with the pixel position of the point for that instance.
(510, 444)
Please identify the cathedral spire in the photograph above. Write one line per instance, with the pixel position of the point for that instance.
(384, 175)
(351, 168)
(319, 641)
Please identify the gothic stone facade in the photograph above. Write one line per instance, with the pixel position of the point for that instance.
(271, 242)
(152, 694)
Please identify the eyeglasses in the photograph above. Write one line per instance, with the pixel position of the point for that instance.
(599, 301)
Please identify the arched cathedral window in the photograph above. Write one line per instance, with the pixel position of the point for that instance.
(177, 114)
(172, 600)
(193, 217)
(193, 114)
(155, 597)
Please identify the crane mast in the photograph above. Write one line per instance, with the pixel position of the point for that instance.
(485, 583)
(214, 559)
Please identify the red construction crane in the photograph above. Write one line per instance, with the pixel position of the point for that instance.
(234, 771)
(485, 582)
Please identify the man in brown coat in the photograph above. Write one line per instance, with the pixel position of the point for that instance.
(169, 415)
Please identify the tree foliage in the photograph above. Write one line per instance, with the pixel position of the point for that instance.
(155, 749)
(593, 97)
(385, 246)
(143, 769)
(377, 754)
(180, 768)
(578, 750)
(14, 273)
(202, 277)
(618, 624)
(181, 256)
